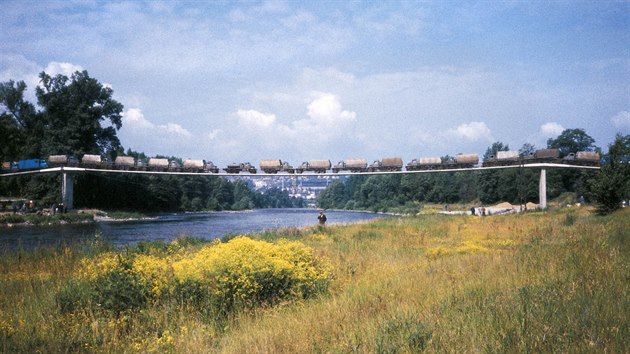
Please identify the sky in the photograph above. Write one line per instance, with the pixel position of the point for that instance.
(237, 81)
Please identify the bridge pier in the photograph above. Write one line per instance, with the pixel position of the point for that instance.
(67, 190)
(542, 189)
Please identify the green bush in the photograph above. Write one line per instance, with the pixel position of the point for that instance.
(120, 290)
(74, 296)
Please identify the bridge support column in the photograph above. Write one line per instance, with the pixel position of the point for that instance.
(542, 189)
(67, 190)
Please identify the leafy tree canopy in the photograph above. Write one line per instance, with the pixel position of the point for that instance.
(79, 113)
(13, 105)
(17, 116)
(527, 149)
(572, 140)
(613, 185)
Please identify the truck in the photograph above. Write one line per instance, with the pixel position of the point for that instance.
(125, 162)
(194, 166)
(24, 165)
(502, 158)
(156, 164)
(387, 164)
(545, 155)
(583, 158)
(92, 161)
(465, 160)
(62, 161)
(352, 165)
(271, 166)
(317, 166)
(424, 163)
(240, 167)
(275, 166)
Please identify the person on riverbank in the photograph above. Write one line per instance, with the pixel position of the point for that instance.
(322, 218)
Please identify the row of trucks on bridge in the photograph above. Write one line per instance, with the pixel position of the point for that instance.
(388, 164)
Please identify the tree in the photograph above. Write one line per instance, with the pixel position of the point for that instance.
(14, 105)
(17, 122)
(489, 180)
(571, 141)
(527, 149)
(80, 115)
(613, 185)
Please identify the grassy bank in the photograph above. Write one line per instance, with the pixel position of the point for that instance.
(82, 216)
(536, 282)
(34, 219)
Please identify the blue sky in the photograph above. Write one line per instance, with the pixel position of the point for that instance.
(235, 81)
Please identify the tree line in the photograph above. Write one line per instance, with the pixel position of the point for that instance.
(606, 187)
(77, 115)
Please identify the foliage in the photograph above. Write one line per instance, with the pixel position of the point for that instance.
(80, 116)
(119, 290)
(239, 273)
(395, 193)
(572, 140)
(612, 184)
(245, 272)
(169, 193)
(18, 118)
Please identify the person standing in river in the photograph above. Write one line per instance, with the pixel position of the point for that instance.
(322, 218)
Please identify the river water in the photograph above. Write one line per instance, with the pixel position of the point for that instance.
(169, 227)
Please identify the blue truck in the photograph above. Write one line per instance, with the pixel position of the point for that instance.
(24, 165)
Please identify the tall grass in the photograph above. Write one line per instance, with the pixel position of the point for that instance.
(539, 282)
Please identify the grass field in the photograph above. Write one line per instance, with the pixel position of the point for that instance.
(537, 282)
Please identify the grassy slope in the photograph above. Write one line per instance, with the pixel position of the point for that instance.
(536, 282)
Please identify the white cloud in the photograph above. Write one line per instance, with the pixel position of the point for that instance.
(472, 131)
(253, 119)
(326, 110)
(325, 121)
(551, 129)
(135, 121)
(175, 128)
(18, 68)
(621, 120)
(55, 68)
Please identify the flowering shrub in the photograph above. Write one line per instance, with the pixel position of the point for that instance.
(248, 272)
(237, 273)
(156, 272)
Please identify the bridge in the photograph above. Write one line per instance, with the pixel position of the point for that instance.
(67, 182)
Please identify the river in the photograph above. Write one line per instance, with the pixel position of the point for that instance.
(169, 227)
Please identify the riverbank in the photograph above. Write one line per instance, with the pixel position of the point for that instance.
(79, 216)
(534, 282)
(10, 219)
